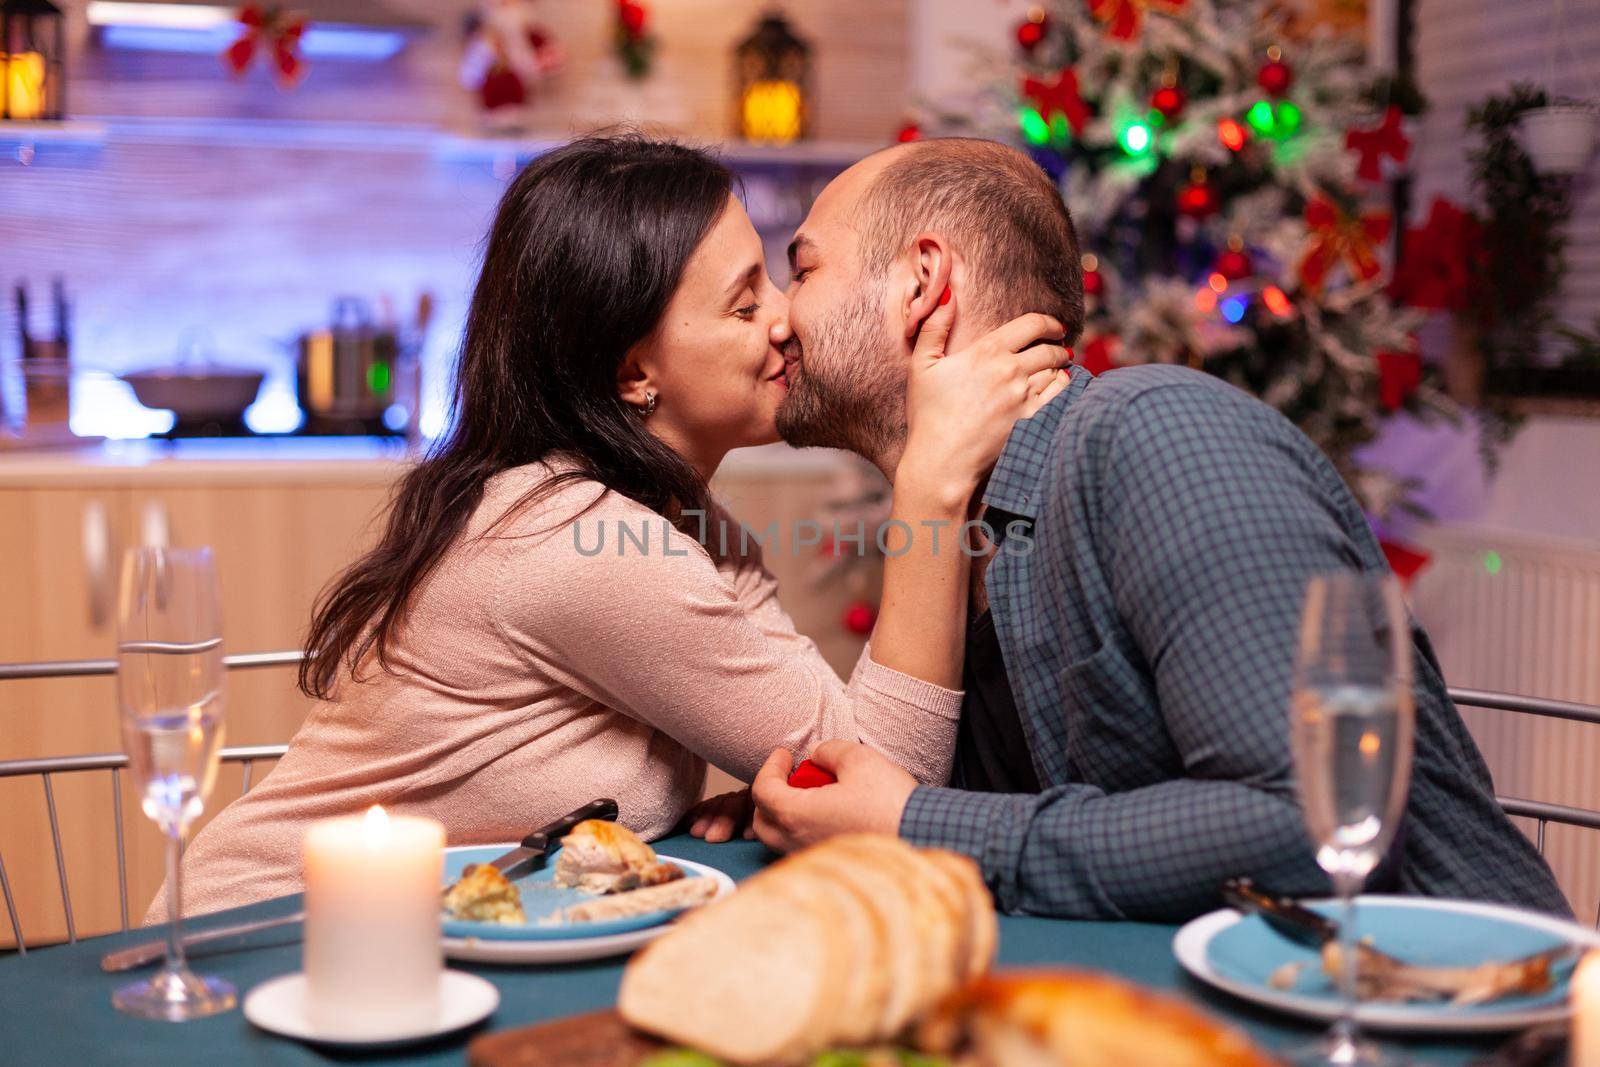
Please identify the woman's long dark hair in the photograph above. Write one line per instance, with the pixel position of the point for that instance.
(587, 247)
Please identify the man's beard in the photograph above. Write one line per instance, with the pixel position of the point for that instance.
(849, 392)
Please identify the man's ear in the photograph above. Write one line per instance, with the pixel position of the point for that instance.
(932, 264)
(634, 381)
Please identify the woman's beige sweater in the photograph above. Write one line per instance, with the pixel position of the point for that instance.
(534, 674)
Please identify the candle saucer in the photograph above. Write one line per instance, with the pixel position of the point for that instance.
(279, 1006)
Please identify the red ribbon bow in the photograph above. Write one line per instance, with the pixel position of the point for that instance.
(1340, 238)
(1124, 18)
(1388, 138)
(269, 28)
(1058, 96)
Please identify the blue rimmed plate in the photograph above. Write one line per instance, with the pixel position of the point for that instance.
(1239, 954)
(556, 942)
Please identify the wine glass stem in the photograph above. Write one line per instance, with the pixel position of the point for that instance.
(175, 960)
(1344, 1031)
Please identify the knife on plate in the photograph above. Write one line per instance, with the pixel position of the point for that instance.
(1292, 920)
(530, 855)
(526, 858)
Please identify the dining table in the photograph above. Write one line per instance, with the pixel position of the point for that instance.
(55, 1002)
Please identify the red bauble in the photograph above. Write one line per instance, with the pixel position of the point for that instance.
(908, 133)
(860, 617)
(1275, 77)
(1198, 200)
(809, 776)
(1031, 31)
(1098, 355)
(1234, 264)
(1169, 101)
(1094, 283)
(633, 16)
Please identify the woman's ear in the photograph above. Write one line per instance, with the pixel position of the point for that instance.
(931, 263)
(634, 383)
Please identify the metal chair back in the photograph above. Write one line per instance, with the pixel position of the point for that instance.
(114, 762)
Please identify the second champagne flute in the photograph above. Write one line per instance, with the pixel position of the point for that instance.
(1352, 716)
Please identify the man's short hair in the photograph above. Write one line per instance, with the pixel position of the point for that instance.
(999, 209)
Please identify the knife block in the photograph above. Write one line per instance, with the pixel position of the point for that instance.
(47, 385)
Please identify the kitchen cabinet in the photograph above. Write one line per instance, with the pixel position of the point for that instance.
(280, 530)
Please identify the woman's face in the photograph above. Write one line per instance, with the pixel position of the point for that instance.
(715, 361)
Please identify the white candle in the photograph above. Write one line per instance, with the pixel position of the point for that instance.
(1585, 1050)
(372, 952)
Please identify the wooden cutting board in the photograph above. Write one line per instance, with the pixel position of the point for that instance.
(599, 1039)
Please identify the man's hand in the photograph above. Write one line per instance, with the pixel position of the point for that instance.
(869, 797)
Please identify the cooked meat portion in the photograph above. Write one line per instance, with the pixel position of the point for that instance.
(484, 895)
(606, 857)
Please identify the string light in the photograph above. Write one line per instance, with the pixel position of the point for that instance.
(1233, 308)
(1205, 299)
(1217, 282)
(1135, 138)
(1277, 301)
(1231, 134)
(1034, 128)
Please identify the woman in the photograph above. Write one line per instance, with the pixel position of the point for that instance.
(484, 666)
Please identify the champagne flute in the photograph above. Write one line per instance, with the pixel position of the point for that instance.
(1352, 719)
(169, 686)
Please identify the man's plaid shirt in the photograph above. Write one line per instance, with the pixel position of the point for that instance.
(1149, 637)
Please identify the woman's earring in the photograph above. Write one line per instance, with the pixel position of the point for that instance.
(649, 404)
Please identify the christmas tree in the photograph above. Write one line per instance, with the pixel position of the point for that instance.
(1226, 170)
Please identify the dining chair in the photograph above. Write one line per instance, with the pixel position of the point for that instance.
(47, 768)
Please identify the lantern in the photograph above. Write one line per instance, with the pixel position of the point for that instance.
(772, 70)
(33, 53)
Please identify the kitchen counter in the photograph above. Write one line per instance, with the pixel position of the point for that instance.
(310, 460)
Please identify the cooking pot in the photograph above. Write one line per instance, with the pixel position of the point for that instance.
(347, 372)
(196, 388)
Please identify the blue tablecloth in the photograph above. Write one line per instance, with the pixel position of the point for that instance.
(55, 1004)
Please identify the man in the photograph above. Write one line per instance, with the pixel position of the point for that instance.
(1124, 742)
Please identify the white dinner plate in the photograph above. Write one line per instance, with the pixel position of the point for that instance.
(279, 1006)
(1236, 954)
(570, 949)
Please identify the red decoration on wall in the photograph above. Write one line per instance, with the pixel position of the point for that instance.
(274, 31)
(1405, 560)
(1340, 238)
(1440, 261)
(1125, 18)
(1094, 283)
(1058, 96)
(860, 617)
(1168, 101)
(1399, 376)
(908, 133)
(635, 45)
(1388, 138)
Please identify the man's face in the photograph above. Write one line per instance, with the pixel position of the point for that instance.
(846, 362)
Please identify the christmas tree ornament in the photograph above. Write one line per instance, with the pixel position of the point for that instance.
(1399, 377)
(507, 54)
(1275, 76)
(1094, 283)
(1386, 140)
(1032, 30)
(1232, 135)
(1234, 262)
(860, 617)
(634, 43)
(1168, 102)
(1339, 238)
(1198, 199)
(1124, 19)
(908, 133)
(272, 32)
(1056, 96)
